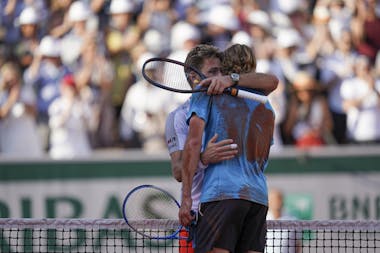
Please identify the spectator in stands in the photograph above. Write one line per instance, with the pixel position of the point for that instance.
(321, 43)
(242, 10)
(121, 34)
(69, 118)
(94, 77)
(281, 241)
(308, 121)
(320, 37)
(100, 9)
(144, 113)
(58, 23)
(44, 76)
(184, 37)
(10, 10)
(260, 29)
(334, 68)
(361, 101)
(365, 27)
(158, 15)
(279, 104)
(30, 36)
(78, 31)
(288, 41)
(18, 135)
(276, 206)
(121, 37)
(221, 24)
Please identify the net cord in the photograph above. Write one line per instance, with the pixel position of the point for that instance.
(297, 225)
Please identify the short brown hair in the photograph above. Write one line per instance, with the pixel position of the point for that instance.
(238, 58)
(199, 53)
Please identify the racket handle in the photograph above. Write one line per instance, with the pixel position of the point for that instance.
(249, 95)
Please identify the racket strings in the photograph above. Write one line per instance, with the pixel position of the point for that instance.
(171, 75)
(151, 204)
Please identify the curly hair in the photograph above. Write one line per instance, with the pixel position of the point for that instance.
(238, 58)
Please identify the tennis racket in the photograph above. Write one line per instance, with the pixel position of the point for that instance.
(149, 203)
(179, 77)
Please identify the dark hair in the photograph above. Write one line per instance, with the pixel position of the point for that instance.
(198, 54)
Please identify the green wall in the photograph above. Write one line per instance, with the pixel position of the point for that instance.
(138, 164)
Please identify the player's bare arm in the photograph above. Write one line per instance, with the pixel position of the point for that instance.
(266, 83)
(191, 156)
(176, 164)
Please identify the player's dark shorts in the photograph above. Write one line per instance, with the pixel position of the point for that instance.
(235, 225)
(184, 246)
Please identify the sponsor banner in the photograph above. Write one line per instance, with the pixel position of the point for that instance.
(307, 196)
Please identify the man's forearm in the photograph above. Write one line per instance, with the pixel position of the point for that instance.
(189, 166)
(259, 81)
(266, 83)
(191, 154)
(176, 164)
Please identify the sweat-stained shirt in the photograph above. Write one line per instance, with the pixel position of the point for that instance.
(250, 124)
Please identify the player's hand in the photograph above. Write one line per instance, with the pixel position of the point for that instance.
(184, 214)
(216, 84)
(218, 151)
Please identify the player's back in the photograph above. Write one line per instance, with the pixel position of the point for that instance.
(250, 124)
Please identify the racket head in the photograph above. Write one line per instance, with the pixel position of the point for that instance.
(172, 75)
(148, 203)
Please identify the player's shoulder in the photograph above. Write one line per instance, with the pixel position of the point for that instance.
(181, 109)
(178, 113)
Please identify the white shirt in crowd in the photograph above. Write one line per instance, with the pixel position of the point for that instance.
(363, 122)
(18, 131)
(69, 136)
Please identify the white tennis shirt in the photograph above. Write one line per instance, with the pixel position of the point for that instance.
(176, 131)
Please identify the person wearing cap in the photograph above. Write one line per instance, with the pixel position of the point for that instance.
(121, 37)
(30, 36)
(122, 34)
(18, 133)
(44, 76)
(73, 41)
(260, 29)
(184, 37)
(68, 121)
(288, 41)
(221, 23)
(143, 113)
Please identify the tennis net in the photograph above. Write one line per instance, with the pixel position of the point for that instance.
(114, 235)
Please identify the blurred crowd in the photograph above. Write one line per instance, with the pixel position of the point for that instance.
(70, 71)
